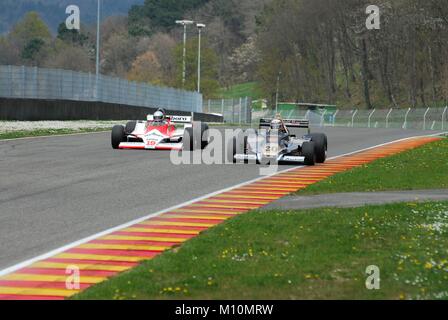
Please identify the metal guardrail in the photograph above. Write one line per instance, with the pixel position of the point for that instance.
(40, 83)
(410, 118)
(236, 111)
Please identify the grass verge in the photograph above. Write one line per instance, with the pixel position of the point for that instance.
(310, 254)
(425, 167)
(249, 89)
(46, 132)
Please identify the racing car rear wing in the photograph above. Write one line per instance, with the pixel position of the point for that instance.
(290, 123)
(180, 119)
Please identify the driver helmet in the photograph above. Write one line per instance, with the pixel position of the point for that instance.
(276, 124)
(159, 116)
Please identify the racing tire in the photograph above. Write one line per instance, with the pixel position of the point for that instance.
(193, 142)
(245, 149)
(118, 136)
(204, 135)
(320, 146)
(308, 151)
(231, 150)
(233, 146)
(130, 127)
(188, 143)
(245, 144)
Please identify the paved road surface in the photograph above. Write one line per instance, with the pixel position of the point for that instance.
(57, 190)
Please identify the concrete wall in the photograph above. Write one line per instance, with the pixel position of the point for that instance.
(36, 109)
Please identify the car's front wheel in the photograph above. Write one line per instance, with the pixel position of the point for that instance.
(320, 146)
(118, 136)
(308, 151)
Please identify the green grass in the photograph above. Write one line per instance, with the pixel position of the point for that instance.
(311, 254)
(249, 89)
(46, 132)
(425, 167)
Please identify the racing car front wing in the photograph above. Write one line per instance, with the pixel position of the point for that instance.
(259, 158)
(142, 146)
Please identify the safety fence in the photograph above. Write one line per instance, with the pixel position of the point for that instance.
(236, 111)
(411, 118)
(57, 84)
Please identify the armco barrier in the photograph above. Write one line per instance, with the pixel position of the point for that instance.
(39, 109)
(57, 84)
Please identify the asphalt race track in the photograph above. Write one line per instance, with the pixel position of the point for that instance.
(57, 190)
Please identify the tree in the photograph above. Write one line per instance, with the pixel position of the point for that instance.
(69, 57)
(71, 36)
(31, 35)
(32, 48)
(230, 23)
(146, 68)
(209, 67)
(326, 53)
(163, 46)
(244, 61)
(156, 54)
(163, 13)
(9, 54)
(118, 53)
(159, 15)
(29, 28)
(139, 24)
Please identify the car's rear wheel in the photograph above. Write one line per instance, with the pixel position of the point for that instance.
(320, 146)
(204, 135)
(118, 136)
(308, 151)
(246, 145)
(193, 141)
(188, 143)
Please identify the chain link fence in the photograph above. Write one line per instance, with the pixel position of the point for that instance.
(57, 84)
(234, 111)
(412, 118)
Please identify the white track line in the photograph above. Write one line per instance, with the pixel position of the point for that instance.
(137, 221)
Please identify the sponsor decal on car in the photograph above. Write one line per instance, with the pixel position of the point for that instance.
(271, 150)
(246, 157)
(293, 159)
(151, 143)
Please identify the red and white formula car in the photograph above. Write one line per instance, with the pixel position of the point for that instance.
(159, 132)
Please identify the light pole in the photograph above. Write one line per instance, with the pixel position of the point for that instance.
(184, 23)
(200, 26)
(277, 93)
(98, 47)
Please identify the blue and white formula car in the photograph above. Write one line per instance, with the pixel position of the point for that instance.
(274, 143)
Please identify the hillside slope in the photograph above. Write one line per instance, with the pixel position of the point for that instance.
(53, 11)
